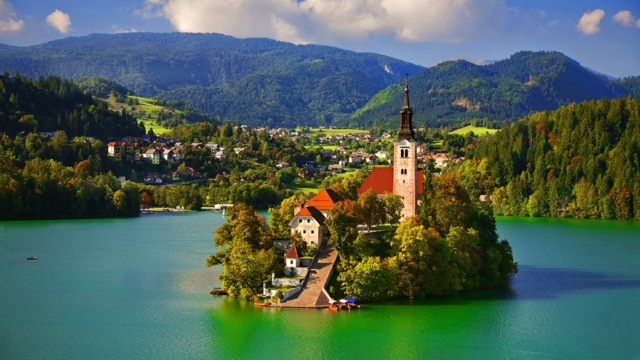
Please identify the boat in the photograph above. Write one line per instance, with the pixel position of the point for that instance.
(334, 306)
(218, 291)
(349, 304)
(32, 258)
(261, 304)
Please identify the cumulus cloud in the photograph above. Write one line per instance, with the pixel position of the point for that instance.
(625, 18)
(59, 21)
(8, 22)
(589, 23)
(316, 20)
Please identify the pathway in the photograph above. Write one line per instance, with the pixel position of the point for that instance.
(312, 295)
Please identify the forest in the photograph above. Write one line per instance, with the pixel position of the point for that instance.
(582, 161)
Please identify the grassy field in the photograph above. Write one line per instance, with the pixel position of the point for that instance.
(337, 131)
(480, 131)
(147, 106)
(150, 109)
(322, 147)
(305, 186)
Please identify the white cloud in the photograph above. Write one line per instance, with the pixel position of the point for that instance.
(59, 21)
(625, 18)
(118, 30)
(8, 23)
(590, 22)
(318, 20)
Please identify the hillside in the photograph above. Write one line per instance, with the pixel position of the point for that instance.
(51, 104)
(253, 81)
(456, 91)
(582, 160)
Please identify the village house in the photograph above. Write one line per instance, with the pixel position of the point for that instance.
(309, 218)
(123, 150)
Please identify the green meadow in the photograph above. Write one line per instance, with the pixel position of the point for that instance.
(479, 131)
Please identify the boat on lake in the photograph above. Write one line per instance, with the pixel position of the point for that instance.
(218, 291)
(32, 258)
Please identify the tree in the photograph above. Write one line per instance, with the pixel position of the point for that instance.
(372, 279)
(280, 216)
(342, 226)
(245, 269)
(369, 209)
(393, 207)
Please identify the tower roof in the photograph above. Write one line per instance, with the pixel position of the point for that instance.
(406, 117)
(292, 253)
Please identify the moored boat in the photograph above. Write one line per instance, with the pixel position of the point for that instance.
(218, 291)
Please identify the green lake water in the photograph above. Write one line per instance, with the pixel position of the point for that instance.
(138, 289)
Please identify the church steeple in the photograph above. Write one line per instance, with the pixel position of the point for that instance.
(405, 132)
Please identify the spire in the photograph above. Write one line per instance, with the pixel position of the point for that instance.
(406, 95)
(406, 113)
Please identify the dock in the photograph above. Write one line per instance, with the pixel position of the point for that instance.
(313, 294)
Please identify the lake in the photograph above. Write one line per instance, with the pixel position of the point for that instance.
(138, 289)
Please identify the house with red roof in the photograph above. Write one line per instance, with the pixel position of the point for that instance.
(309, 218)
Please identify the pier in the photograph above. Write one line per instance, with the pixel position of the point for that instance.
(313, 294)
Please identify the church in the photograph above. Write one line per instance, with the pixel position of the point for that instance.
(403, 178)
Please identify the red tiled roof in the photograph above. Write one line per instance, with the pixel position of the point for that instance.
(313, 212)
(292, 253)
(326, 199)
(381, 181)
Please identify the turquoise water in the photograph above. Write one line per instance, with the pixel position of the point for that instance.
(138, 289)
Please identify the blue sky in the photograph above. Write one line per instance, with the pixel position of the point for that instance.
(603, 35)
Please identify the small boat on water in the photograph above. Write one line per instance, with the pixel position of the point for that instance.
(334, 306)
(349, 304)
(261, 304)
(32, 258)
(218, 291)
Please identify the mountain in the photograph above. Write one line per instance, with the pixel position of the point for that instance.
(457, 91)
(252, 81)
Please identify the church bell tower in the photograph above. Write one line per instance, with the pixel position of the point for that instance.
(405, 169)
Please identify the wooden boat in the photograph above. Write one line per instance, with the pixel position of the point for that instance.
(334, 308)
(218, 291)
(261, 304)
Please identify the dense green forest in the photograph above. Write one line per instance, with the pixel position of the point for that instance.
(582, 160)
(52, 104)
(456, 92)
(252, 81)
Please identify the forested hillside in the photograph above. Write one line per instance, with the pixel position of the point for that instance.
(457, 91)
(582, 160)
(253, 81)
(52, 104)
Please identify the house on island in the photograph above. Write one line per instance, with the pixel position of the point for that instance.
(309, 218)
(403, 178)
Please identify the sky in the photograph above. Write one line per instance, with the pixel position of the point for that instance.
(603, 35)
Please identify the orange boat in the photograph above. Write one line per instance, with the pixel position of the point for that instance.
(334, 307)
